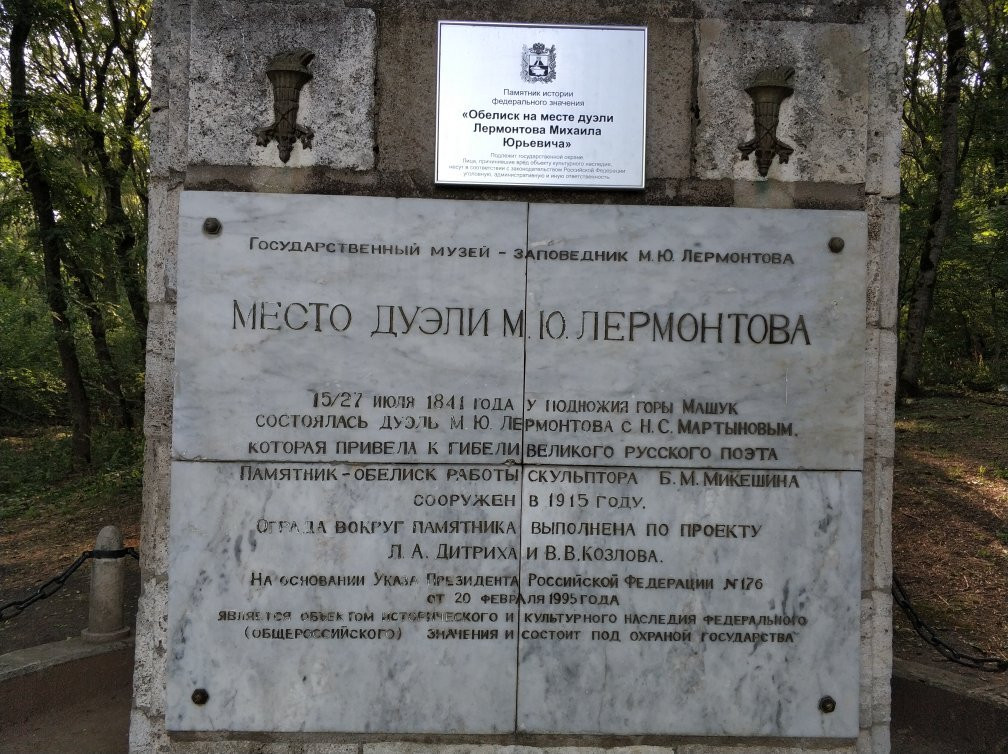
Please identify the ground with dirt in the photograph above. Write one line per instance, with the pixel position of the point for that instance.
(950, 522)
(33, 551)
(950, 529)
(49, 516)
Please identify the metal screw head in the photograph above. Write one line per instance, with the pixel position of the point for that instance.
(836, 244)
(827, 704)
(212, 226)
(200, 696)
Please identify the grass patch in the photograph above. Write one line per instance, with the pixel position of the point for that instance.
(994, 471)
(918, 426)
(36, 477)
(985, 553)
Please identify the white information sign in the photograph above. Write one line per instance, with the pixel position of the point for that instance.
(530, 105)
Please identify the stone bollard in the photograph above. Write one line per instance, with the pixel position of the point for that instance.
(105, 605)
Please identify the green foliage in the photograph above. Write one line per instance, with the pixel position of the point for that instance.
(87, 71)
(31, 390)
(29, 397)
(994, 471)
(35, 474)
(25, 331)
(967, 339)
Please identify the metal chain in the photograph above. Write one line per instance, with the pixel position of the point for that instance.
(987, 664)
(53, 585)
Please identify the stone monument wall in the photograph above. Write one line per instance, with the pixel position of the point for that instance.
(371, 105)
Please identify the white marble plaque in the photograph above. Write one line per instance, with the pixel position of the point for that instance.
(307, 329)
(530, 105)
(299, 602)
(491, 467)
(732, 329)
(677, 602)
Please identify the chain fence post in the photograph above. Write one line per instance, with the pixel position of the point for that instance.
(105, 604)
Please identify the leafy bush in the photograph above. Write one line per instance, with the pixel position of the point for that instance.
(31, 396)
(36, 474)
(981, 378)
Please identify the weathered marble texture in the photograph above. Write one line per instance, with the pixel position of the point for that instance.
(228, 548)
(227, 374)
(818, 388)
(221, 535)
(805, 554)
(234, 539)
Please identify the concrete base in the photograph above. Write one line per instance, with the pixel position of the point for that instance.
(936, 711)
(93, 637)
(68, 696)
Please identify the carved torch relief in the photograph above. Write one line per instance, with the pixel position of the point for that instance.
(288, 73)
(768, 91)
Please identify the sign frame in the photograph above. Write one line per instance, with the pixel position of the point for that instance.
(554, 175)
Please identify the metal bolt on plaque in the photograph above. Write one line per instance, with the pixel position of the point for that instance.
(768, 91)
(288, 73)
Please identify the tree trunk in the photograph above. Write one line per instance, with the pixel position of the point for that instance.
(117, 222)
(922, 297)
(128, 271)
(23, 152)
(106, 364)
